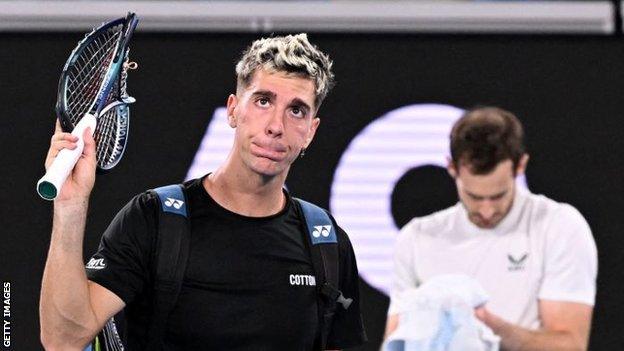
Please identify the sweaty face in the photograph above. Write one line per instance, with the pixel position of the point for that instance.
(487, 198)
(274, 117)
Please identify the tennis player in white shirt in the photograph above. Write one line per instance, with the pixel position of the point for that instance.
(535, 257)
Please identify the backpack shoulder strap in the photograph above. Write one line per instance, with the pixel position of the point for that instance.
(171, 256)
(323, 244)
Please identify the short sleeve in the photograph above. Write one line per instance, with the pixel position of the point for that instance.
(121, 263)
(570, 263)
(403, 271)
(348, 328)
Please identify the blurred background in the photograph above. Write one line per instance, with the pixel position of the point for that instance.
(405, 70)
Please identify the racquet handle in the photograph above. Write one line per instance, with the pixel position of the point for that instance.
(50, 184)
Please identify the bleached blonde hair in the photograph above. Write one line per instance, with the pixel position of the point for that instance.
(291, 54)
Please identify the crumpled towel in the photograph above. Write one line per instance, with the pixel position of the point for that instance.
(439, 316)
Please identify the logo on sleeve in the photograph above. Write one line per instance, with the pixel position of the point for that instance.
(96, 263)
(516, 264)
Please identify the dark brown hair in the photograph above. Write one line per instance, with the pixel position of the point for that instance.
(485, 136)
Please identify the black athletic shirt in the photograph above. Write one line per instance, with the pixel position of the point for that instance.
(248, 285)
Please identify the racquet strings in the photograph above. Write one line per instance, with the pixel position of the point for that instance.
(88, 72)
(112, 341)
(112, 125)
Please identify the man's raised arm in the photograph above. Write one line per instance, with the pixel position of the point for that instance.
(72, 309)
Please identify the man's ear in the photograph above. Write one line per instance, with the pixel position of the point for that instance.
(312, 132)
(451, 168)
(522, 164)
(232, 102)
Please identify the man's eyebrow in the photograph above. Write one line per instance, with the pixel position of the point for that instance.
(474, 196)
(266, 93)
(299, 102)
(501, 194)
(273, 95)
(480, 197)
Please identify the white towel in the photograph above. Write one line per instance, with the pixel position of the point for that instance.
(439, 316)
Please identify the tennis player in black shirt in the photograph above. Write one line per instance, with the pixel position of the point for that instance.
(249, 283)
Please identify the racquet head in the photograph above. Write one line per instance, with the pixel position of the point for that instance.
(94, 81)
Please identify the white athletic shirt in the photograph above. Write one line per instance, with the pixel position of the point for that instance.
(541, 250)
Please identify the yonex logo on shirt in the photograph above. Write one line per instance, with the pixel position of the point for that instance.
(175, 203)
(96, 263)
(321, 230)
(302, 279)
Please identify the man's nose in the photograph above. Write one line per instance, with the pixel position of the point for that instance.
(275, 125)
(486, 210)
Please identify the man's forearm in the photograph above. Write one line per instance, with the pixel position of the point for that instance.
(514, 338)
(66, 315)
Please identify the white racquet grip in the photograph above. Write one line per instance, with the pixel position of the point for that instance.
(50, 184)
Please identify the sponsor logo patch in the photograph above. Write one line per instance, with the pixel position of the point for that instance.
(175, 203)
(321, 230)
(96, 263)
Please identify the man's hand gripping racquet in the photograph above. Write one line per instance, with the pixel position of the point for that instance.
(92, 96)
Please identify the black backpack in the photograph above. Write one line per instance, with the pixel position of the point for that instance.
(172, 250)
